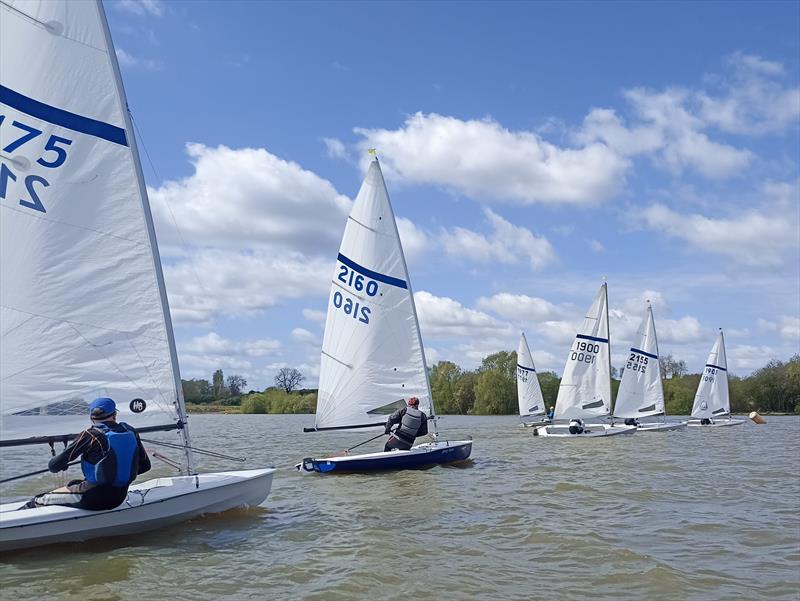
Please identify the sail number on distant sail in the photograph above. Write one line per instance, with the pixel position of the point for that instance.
(637, 362)
(709, 373)
(584, 352)
(53, 155)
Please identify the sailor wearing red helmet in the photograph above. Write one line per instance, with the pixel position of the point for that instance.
(412, 423)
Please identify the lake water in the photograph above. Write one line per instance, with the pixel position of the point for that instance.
(693, 515)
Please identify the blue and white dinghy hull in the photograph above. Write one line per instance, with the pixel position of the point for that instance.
(661, 426)
(721, 423)
(150, 505)
(420, 456)
(590, 431)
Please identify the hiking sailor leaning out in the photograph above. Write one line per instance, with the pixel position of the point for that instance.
(111, 457)
(412, 423)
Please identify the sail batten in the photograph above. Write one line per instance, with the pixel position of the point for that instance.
(372, 354)
(585, 390)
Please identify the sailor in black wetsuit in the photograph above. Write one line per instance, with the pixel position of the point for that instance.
(413, 423)
(111, 457)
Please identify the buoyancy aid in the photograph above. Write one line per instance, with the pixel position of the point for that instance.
(410, 424)
(118, 466)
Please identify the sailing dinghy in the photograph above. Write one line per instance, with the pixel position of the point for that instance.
(641, 393)
(585, 390)
(372, 355)
(712, 405)
(529, 393)
(83, 307)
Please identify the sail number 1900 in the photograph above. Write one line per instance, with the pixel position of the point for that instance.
(585, 352)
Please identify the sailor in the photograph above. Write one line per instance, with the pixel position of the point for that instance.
(412, 423)
(551, 414)
(111, 457)
(576, 426)
(631, 421)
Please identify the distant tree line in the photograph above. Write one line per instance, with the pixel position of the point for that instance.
(491, 389)
(228, 394)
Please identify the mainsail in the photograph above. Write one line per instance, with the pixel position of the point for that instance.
(83, 308)
(529, 393)
(640, 391)
(372, 356)
(585, 389)
(712, 399)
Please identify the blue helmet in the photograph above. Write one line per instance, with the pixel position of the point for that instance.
(102, 408)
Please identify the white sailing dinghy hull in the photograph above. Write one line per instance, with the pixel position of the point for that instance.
(152, 504)
(535, 424)
(695, 423)
(662, 426)
(589, 431)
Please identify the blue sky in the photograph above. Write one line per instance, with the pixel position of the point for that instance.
(529, 148)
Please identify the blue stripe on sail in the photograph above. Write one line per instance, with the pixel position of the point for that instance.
(641, 352)
(374, 275)
(525, 368)
(58, 116)
(592, 338)
(716, 367)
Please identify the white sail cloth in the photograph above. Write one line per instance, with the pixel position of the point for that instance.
(81, 314)
(585, 390)
(711, 399)
(372, 356)
(640, 392)
(529, 393)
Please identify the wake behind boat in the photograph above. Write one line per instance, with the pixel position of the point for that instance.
(372, 354)
(641, 393)
(712, 404)
(585, 390)
(82, 297)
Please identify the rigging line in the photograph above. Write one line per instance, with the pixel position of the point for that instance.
(96, 347)
(74, 225)
(173, 445)
(184, 245)
(78, 323)
(19, 325)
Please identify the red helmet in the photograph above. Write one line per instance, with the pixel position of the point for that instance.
(413, 401)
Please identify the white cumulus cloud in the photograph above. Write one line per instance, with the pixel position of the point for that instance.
(506, 243)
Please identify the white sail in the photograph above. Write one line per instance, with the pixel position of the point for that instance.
(529, 393)
(640, 391)
(83, 309)
(712, 398)
(372, 357)
(585, 390)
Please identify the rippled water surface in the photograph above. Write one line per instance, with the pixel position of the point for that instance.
(699, 514)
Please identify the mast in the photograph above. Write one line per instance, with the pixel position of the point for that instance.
(727, 383)
(608, 333)
(658, 354)
(148, 219)
(413, 305)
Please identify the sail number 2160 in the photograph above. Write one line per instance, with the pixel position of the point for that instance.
(350, 307)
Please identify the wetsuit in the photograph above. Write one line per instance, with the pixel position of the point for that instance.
(119, 471)
(409, 420)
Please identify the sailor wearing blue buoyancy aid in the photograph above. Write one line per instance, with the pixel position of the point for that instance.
(412, 423)
(111, 457)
